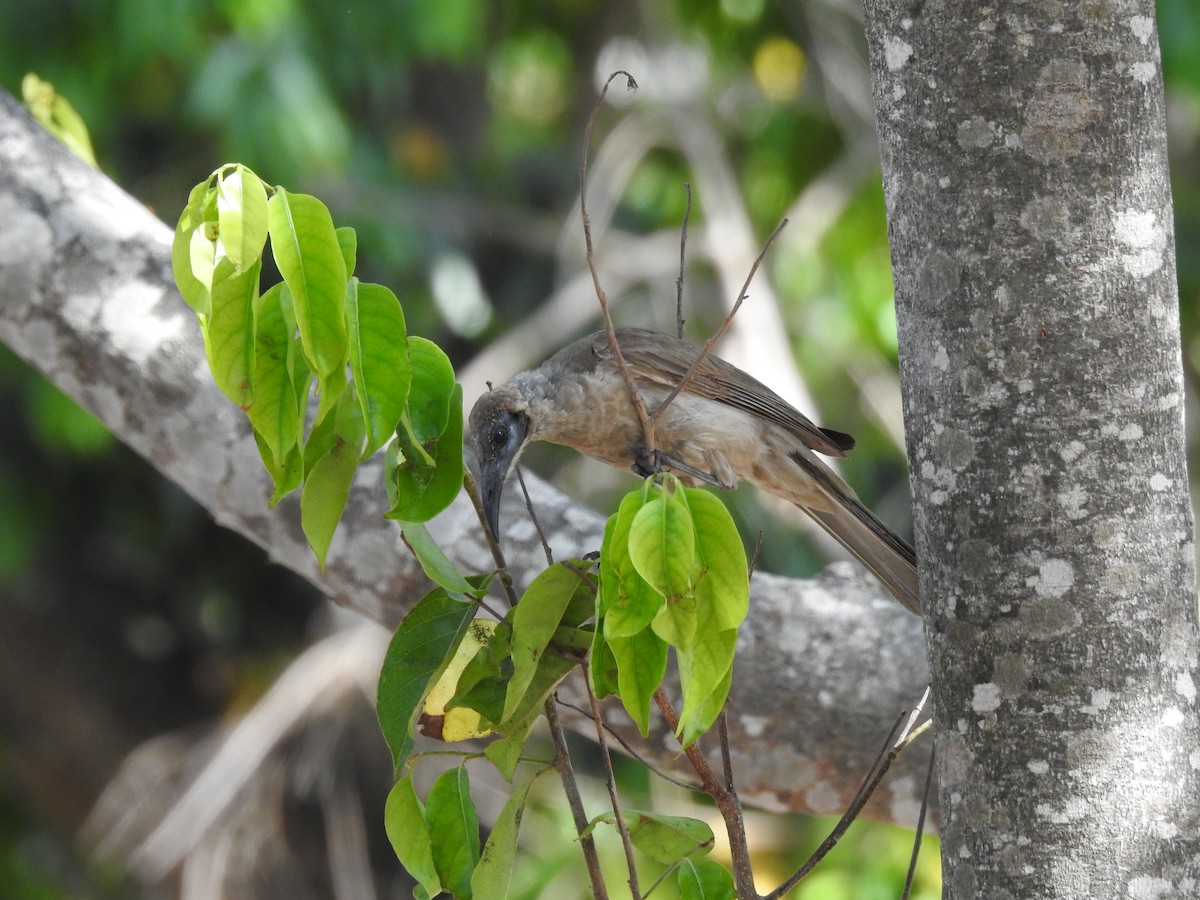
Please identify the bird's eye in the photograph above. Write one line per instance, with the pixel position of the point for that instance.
(499, 436)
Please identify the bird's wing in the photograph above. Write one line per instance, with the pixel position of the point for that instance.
(662, 359)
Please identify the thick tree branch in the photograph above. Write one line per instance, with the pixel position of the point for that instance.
(86, 296)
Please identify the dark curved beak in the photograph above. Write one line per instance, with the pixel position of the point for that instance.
(492, 473)
(498, 444)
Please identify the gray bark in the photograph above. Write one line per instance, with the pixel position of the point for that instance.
(1024, 160)
(86, 296)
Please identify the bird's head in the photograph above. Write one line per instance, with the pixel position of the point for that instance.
(499, 430)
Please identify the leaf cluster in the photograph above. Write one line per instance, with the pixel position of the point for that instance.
(320, 331)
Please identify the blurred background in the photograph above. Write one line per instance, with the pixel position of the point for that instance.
(134, 633)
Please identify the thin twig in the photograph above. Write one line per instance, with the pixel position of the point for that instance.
(634, 397)
(723, 741)
(537, 525)
(916, 851)
(562, 762)
(727, 803)
(687, 214)
(720, 332)
(506, 582)
(562, 757)
(634, 754)
(610, 781)
(898, 739)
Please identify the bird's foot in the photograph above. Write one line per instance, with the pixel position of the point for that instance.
(651, 462)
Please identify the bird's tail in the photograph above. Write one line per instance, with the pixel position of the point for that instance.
(885, 553)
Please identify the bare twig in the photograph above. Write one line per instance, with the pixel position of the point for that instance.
(720, 332)
(900, 736)
(634, 754)
(687, 214)
(537, 526)
(562, 762)
(562, 757)
(610, 781)
(634, 397)
(726, 800)
(916, 851)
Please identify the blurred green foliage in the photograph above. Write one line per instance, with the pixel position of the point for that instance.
(448, 134)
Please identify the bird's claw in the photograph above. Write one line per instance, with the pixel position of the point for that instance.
(652, 462)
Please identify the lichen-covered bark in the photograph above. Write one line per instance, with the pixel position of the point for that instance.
(86, 296)
(1024, 160)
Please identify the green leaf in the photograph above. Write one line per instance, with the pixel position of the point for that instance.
(534, 621)
(662, 545)
(434, 562)
(241, 215)
(641, 661)
(704, 879)
(404, 822)
(432, 385)
(628, 603)
(194, 291)
(705, 673)
(379, 359)
(418, 653)
(418, 490)
(276, 411)
(348, 242)
(725, 582)
(285, 475)
(327, 483)
(492, 876)
(229, 330)
(602, 666)
(665, 839)
(56, 114)
(310, 259)
(453, 830)
(505, 753)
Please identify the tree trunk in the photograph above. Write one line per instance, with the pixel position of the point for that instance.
(1025, 170)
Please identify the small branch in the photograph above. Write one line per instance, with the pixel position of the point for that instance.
(720, 332)
(562, 757)
(634, 397)
(562, 762)
(687, 214)
(628, 748)
(537, 526)
(506, 582)
(726, 801)
(916, 852)
(610, 781)
(897, 740)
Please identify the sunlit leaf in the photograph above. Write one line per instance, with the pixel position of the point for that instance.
(433, 561)
(241, 215)
(309, 257)
(229, 330)
(193, 289)
(275, 411)
(725, 582)
(628, 602)
(379, 359)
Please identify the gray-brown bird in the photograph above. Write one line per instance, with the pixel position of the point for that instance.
(722, 427)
